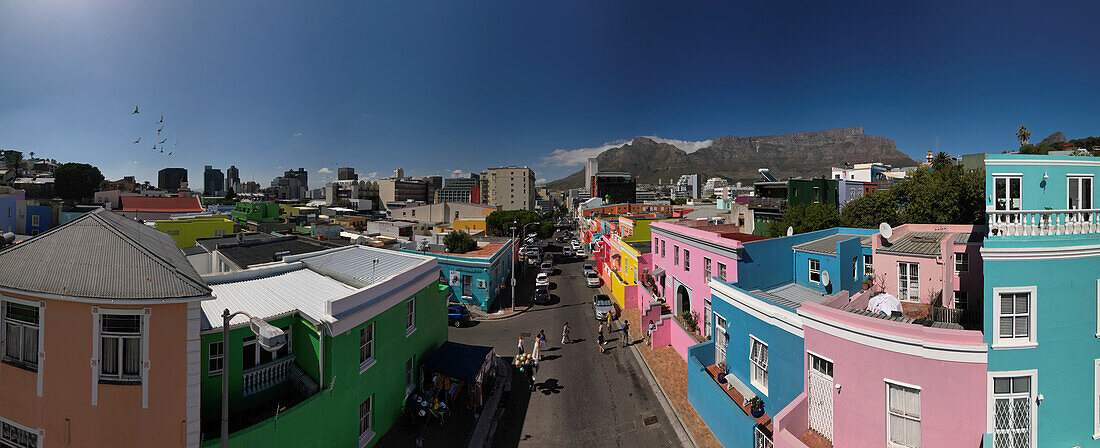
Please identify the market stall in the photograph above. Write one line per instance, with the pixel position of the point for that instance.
(459, 373)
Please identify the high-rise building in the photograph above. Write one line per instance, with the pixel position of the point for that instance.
(169, 179)
(614, 188)
(346, 173)
(510, 187)
(400, 190)
(301, 174)
(213, 181)
(688, 186)
(591, 167)
(232, 179)
(399, 173)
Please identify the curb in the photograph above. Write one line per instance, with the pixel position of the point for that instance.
(490, 318)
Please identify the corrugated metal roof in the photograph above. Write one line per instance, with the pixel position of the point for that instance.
(268, 296)
(827, 245)
(791, 295)
(357, 262)
(971, 237)
(919, 243)
(101, 255)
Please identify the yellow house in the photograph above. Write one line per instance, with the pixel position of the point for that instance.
(185, 231)
(469, 225)
(289, 210)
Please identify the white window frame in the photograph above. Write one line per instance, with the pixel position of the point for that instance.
(97, 314)
(410, 317)
(706, 269)
(366, 434)
(855, 268)
(965, 259)
(365, 364)
(754, 365)
(1096, 400)
(211, 357)
(675, 254)
(410, 375)
(722, 277)
(810, 363)
(38, 353)
(121, 354)
(1080, 191)
(1008, 178)
(920, 409)
(811, 270)
(905, 294)
(1032, 340)
(1098, 308)
(36, 220)
(687, 260)
(1032, 412)
(868, 265)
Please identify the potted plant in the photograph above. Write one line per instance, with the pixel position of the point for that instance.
(723, 369)
(756, 406)
(867, 284)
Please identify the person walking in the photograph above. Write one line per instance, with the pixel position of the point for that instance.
(520, 344)
(626, 332)
(542, 340)
(565, 334)
(536, 351)
(600, 340)
(649, 333)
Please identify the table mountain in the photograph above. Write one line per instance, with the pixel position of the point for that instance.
(803, 154)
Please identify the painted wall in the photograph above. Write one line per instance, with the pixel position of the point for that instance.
(45, 217)
(8, 215)
(729, 424)
(493, 272)
(844, 269)
(935, 274)
(699, 244)
(759, 259)
(801, 191)
(185, 231)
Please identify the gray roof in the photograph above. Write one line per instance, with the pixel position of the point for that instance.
(643, 247)
(790, 295)
(917, 243)
(907, 320)
(273, 292)
(827, 245)
(101, 255)
(356, 264)
(260, 252)
(212, 243)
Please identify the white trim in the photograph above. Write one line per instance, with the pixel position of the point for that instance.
(1096, 400)
(810, 270)
(410, 329)
(369, 362)
(1040, 253)
(194, 374)
(899, 383)
(811, 352)
(908, 282)
(1042, 162)
(752, 365)
(1007, 175)
(770, 314)
(1080, 175)
(40, 363)
(920, 418)
(1034, 392)
(1032, 333)
(976, 354)
(145, 364)
(104, 302)
(1098, 313)
(39, 431)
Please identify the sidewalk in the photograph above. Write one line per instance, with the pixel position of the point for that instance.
(671, 373)
(499, 315)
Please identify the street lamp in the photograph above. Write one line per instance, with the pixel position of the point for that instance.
(270, 338)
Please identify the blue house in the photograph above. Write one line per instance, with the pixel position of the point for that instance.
(1042, 289)
(39, 219)
(478, 277)
(757, 330)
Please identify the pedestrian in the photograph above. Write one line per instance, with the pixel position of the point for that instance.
(649, 332)
(536, 351)
(565, 334)
(600, 340)
(626, 332)
(542, 340)
(520, 345)
(533, 370)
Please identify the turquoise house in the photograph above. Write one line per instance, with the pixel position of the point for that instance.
(1042, 289)
(477, 277)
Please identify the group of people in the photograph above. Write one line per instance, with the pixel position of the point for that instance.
(536, 353)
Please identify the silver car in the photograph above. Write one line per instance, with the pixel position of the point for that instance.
(592, 279)
(601, 303)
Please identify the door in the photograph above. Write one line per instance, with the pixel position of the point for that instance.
(1007, 197)
(819, 395)
(706, 318)
(467, 286)
(719, 339)
(1079, 197)
(908, 282)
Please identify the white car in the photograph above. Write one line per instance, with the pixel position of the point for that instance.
(591, 279)
(586, 268)
(542, 279)
(580, 253)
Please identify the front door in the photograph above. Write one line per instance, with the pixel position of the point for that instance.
(1079, 197)
(719, 339)
(1007, 197)
(467, 286)
(819, 395)
(706, 318)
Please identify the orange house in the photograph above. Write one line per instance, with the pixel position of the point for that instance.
(100, 341)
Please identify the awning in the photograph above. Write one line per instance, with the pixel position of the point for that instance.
(460, 361)
(658, 272)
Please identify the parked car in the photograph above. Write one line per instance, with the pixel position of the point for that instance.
(591, 279)
(542, 295)
(457, 315)
(587, 268)
(547, 267)
(601, 304)
(581, 254)
(543, 279)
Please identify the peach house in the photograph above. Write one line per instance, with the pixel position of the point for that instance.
(100, 341)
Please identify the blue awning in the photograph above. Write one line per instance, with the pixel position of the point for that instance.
(460, 361)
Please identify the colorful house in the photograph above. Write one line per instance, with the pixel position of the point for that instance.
(358, 320)
(1041, 265)
(255, 212)
(477, 277)
(99, 317)
(9, 208)
(39, 219)
(150, 208)
(185, 231)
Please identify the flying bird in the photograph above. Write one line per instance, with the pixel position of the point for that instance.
(154, 147)
(161, 119)
(161, 129)
(162, 141)
(162, 150)
(138, 140)
(135, 111)
(169, 152)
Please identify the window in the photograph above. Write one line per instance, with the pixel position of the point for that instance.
(1015, 317)
(366, 346)
(366, 431)
(219, 232)
(908, 282)
(758, 363)
(721, 271)
(855, 268)
(120, 336)
(217, 358)
(868, 267)
(962, 263)
(815, 271)
(1006, 192)
(410, 380)
(759, 439)
(1012, 412)
(706, 268)
(36, 220)
(410, 316)
(21, 334)
(821, 365)
(903, 415)
(687, 260)
(960, 300)
(675, 255)
(1079, 192)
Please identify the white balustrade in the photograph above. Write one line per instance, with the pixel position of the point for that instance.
(265, 376)
(1043, 222)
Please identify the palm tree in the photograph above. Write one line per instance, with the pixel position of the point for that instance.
(1023, 135)
(32, 154)
(15, 163)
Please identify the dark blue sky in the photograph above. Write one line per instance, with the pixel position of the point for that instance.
(435, 87)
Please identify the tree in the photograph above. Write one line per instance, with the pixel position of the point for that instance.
(871, 209)
(1023, 135)
(949, 194)
(500, 222)
(679, 201)
(76, 181)
(459, 242)
(806, 218)
(15, 163)
(230, 195)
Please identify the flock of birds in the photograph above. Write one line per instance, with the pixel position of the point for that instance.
(158, 146)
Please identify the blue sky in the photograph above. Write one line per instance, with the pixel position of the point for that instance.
(440, 86)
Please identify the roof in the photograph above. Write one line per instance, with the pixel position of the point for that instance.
(827, 245)
(643, 247)
(357, 262)
(917, 243)
(101, 255)
(213, 242)
(791, 295)
(907, 320)
(258, 252)
(969, 237)
(742, 237)
(458, 361)
(273, 295)
(486, 251)
(161, 204)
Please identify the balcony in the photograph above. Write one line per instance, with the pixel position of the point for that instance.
(268, 391)
(265, 376)
(1042, 222)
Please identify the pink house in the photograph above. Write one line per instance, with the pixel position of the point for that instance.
(871, 381)
(922, 262)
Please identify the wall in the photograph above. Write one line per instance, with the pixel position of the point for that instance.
(495, 271)
(8, 207)
(757, 267)
(700, 244)
(730, 425)
(45, 214)
(935, 274)
(185, 231)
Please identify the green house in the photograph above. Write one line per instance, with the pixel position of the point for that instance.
(812, 191)
(358, 321)
(258, 212)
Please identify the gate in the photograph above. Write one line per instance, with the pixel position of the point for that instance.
(820, 400)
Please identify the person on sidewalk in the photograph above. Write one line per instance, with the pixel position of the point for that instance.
(542, 340)
(626, 332)
(649, 333)
(536, 351)
(565, 334)
(520, 345)
(600, 340)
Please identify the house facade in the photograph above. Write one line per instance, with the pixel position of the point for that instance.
(478, 277)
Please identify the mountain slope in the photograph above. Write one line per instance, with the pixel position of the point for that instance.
(803, 154)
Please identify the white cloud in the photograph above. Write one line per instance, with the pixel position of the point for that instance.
(456, 173)
(373, 175)
(325, 170)
(541, 180)
(575, 157)
(297, 134)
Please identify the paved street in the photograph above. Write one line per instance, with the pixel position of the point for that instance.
(584, 398)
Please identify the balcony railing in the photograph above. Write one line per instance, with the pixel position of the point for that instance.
(263, 377)
(1043, 222)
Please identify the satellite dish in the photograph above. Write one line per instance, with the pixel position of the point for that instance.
(885, 230)
(790, 230)
(824, 278)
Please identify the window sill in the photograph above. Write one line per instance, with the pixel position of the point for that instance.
(363, 367)
(763, 390)
(364, 439)
(1010, 346)
(410, 331)
(116, 382)
(21, 365)
(1095, 436)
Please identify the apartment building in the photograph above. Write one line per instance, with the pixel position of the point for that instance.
(510, 187)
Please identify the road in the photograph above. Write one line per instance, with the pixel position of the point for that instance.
(584, 398)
